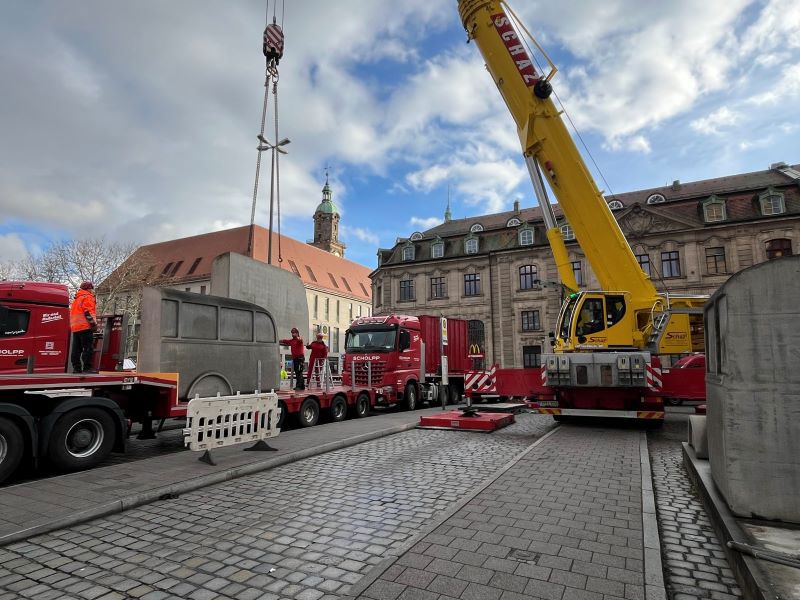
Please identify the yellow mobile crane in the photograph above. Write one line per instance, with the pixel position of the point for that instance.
(629, 313)
(607, 343)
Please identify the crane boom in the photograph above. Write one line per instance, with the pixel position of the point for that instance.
(549, 149)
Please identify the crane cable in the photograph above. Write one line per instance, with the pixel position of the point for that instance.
(273, 52)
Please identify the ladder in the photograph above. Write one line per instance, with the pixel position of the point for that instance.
(321, 376)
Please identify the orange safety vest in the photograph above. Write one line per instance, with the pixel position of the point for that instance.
(84, 300)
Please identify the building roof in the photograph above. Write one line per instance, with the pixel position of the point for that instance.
(190, 259)
(682, 203)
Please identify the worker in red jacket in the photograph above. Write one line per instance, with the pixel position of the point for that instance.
(298, 357)
(83, 324)
(318, 351)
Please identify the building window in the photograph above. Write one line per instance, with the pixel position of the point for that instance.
(415, 236)
(202, 289)
(531, 357)
(472, 284)
(338, 303)
(316, 306)
(715, 261)
(378, 295)
(477, 344)
(513, 222)
(311, 274)
(194, 266)
(771, 203)
(670, 264)
(526, 237)
(408, 253)
(615, 205)
(714, 211)
(327, 309)
(350, 312)
(471, 246)
(438, 289)
(363, 289)
(779, 247)
(577, 270)
(656, 199)
(528, 274)
(346, 284)
(359, 309)
(476, 228)
(567, 234)
(644, 262)
(333, 280)
(335, 340)
(184, 289)
(530, 320)
(166, 269)
(407, 290)
(437, 250)
(294, 268)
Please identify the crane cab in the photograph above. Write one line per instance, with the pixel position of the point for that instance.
(596, 321)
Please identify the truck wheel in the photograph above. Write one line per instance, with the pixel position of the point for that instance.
(309, 412)
(81, 439)
(338, 409)
(410, 396)
(284, 413)
(453, 395)
(362, 405)
(11, 448)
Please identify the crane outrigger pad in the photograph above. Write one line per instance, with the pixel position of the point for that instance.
(456, 420)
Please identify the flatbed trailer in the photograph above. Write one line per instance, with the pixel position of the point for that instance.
(335, 403)
(76, 420)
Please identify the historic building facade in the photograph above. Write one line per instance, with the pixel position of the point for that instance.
(497, 270)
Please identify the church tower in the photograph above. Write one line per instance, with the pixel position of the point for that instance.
(326, 224)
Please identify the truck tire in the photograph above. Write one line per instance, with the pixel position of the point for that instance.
(11, 448)
(284, 413)
(338, 409)
(81, 439)
(453, 395)
(309, 413)
(362, 405)
(410, 396)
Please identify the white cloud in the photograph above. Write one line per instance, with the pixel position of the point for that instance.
(713, 123)
(12, 248)
(424, 223)
(365, 235)
(786, 88)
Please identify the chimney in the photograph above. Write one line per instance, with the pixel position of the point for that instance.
(676, 185)
(516, 205)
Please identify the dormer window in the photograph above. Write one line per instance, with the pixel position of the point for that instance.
(656, 199)
(615, 205)
(437, 250)
(714, 210)
(477, 227)
(471, 245)
(415, 236)
(513, 222)
(526, 237)
(771, 203)
(408, 252)
(567, 234)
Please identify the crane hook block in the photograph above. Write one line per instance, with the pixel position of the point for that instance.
(273, 42)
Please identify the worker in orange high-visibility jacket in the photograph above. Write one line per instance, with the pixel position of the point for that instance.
(83, 323)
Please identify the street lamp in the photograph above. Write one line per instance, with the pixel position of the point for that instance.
(264, 145)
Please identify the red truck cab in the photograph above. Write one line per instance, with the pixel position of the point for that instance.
(34, 326)
(383, 354)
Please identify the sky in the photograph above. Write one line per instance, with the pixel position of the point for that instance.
(137, 121)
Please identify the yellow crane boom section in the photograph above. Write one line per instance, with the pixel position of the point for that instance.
(549, 150)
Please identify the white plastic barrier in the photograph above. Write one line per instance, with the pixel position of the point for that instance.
(228, 420)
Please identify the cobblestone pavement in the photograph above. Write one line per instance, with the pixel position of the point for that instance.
(694, 562)
(306, 531)
(565, 523)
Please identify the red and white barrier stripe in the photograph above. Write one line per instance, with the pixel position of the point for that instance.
(481, 381)
(653, 377)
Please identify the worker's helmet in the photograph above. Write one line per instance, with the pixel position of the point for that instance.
(87, 285)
